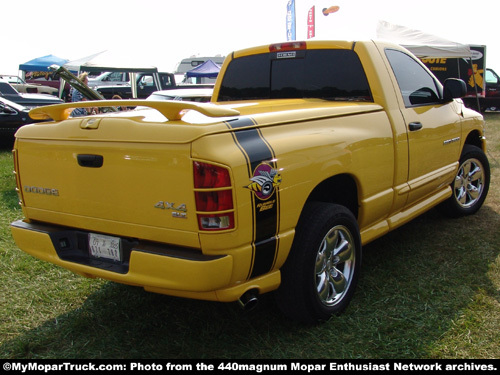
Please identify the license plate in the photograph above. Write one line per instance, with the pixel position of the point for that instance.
(102, 246)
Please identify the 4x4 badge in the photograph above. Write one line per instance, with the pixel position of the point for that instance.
(164, 205)
(265, 179)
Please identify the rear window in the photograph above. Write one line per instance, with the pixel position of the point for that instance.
(325, 74)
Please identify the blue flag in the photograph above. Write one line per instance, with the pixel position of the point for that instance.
(290, 20)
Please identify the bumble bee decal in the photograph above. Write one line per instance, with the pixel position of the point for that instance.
(265, 179)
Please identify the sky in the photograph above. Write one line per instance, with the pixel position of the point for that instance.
(163, 32)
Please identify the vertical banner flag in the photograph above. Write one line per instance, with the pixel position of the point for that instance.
(311, 31)
(290, 20)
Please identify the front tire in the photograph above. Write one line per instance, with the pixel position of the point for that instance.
(471, 184)
(320, 275)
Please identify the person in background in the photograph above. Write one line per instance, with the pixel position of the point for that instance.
(76, 96)
(118, 97)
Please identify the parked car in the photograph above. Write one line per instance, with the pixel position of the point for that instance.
(27, 100)
(192, 95)
(23, 87)
(12, 117)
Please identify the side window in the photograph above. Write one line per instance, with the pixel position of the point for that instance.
(491, 77)
(166, 80)
(115, 77)
(146, 80)
(417, 86)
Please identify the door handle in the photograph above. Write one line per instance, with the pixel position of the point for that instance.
(415, 126)
(90, 161)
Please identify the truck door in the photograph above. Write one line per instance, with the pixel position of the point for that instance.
(492, 83)
(433, 127)
(146, 85)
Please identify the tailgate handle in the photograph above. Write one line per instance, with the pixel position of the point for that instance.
(90, 161)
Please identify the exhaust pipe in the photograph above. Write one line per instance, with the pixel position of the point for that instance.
(248, 301)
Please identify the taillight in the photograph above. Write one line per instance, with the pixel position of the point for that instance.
(210, 176)
(290, 46)
(213, 196)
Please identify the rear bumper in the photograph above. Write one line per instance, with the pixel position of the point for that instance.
(157, 267)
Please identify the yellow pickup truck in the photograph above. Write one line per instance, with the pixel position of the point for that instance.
(307, 151)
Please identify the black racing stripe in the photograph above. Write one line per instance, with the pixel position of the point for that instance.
(240, 122)
(266, 212)
(256, 149)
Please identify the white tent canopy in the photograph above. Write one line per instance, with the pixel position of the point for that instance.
(421, 44)
(424, 45)
(75, 65)
(108, 61)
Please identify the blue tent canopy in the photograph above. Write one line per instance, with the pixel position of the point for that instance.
(41, 64)
(208, 69)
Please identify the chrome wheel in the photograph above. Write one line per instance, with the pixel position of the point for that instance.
(469, 182)
(320, 274)
(334, 265)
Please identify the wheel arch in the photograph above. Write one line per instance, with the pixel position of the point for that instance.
(339, 189)
(475, 138)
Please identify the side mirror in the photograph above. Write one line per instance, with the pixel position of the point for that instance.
(454, 88)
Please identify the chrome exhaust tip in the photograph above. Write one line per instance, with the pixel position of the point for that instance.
(248, 301)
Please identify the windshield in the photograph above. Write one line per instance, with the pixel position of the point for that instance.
(113, 77)
(324, 73)
(12, 79)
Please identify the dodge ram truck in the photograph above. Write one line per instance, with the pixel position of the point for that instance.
(306, 152)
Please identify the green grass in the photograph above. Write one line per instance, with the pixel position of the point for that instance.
(430, 289)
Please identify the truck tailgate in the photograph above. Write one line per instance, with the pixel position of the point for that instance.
(90, 180)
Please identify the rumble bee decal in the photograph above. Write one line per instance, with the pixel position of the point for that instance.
(265, 179)
(263, 188)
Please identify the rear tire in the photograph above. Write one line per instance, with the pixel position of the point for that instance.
(471, 184)
(320, 275)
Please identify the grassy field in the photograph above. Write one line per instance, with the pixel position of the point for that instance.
(430, 289)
